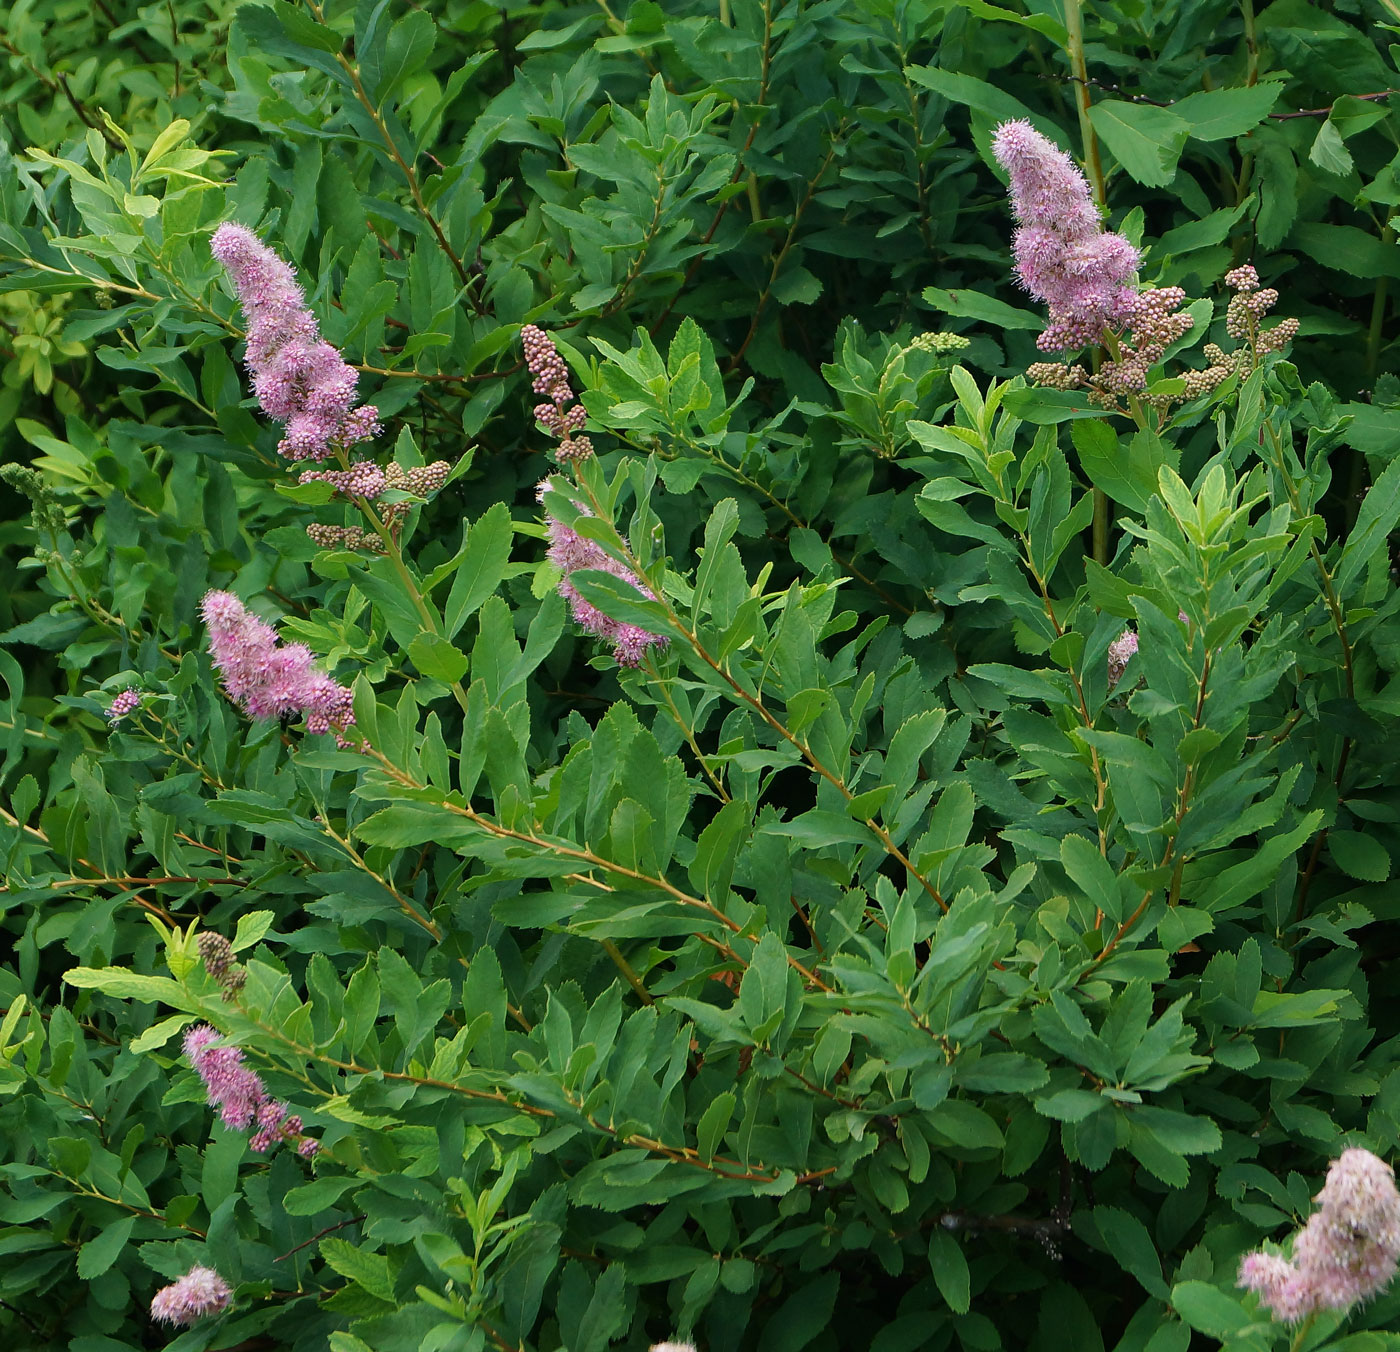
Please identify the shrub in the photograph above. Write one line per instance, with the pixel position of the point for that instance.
(853, 847)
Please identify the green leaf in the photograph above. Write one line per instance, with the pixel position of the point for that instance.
(100, 1252)
(157, 1035)
(1147, 141)
(1127, 1239)
(407, 47)
(1125, 471)
(1359, 855)
(968, 304)
(965, 1124)
(370, 1270)
(1208, 1309)
(1346, 248)
(128, 985)
(317, 1196)
(976, 94)
(1379, 515)
(1219, 114)
(251, 928)
(437, 658)
(950, 1271)
(482, 568)
(1329, 151)
(1093, 873)
(713, 1123)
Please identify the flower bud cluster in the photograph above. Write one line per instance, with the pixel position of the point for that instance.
(370, 482)
(217, 953)
(940, 343)
(267, 679)
(560, 416)
(240, 1095)
(1155, 323)
(345, 537)
(199, 1293)
(364, 479)
(1347, 1252)
(44, 507)
(571, 552)
(123, 704)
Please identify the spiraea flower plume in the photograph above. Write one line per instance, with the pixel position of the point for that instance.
(298, 377)
(240, 1095)
(1347, 1252)
(268, 679)
(572, 552)
(198, 1294)
(1064, 256)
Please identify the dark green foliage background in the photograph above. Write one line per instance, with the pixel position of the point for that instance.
(628, 1003)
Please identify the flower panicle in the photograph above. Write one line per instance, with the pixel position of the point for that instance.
(300, 380)
(571, 552)
(559, 414)
(1347, 1252)
(1064, 256)
(240, 1095)
(268, 679)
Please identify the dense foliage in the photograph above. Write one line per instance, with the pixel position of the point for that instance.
(881, 961)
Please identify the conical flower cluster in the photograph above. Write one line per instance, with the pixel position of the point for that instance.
(573, 552)
(1063, 254)
(299, 378)
(1346, 1253)
(267, 679)
(240, 1096)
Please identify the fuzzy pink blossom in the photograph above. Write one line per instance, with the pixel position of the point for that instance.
(240, 1095)
(1346, 1253)
(267, 679)
(298, 377)
(572, 552)
(1063, 254)
(673, 1347)
(200, 1292)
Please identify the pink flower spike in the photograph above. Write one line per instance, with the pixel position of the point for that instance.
(1064, 256)
(572, 553)
(199, 1293)
(298, 377)
(267, 679)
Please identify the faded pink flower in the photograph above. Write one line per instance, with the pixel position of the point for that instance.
(199, 1293)
(1119, 651)
(673, 1347)
(1347, 1252)
(1063, 254)
(267, 679)
(572, 552)
(298, 377)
